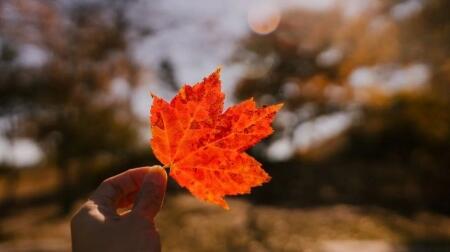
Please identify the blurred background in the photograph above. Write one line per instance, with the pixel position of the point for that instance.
(360, 159)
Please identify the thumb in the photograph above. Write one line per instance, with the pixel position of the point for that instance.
(151, 196)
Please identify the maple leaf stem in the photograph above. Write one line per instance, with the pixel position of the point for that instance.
(166, 166)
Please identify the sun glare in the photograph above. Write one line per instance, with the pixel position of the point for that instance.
(264, 18)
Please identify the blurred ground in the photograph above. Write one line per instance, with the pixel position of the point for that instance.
(187, 224)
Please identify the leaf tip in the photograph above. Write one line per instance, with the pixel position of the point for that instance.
(216, 73)
(278, 106)
(218, 69)
(225, 206)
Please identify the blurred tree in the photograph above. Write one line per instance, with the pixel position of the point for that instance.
(287, 56)
(74, 99)
(310, 63)
(167, 74)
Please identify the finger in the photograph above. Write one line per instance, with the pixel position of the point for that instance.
(113, 189)
(151, 196)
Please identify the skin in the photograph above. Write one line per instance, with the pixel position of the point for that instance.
(119, 215)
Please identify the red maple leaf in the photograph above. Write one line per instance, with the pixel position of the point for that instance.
(204, 146)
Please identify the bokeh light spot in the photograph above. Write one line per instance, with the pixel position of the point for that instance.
(264, 18)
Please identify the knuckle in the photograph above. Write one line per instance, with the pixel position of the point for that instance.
(81, 216)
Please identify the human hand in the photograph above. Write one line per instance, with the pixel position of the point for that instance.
(97, 226)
